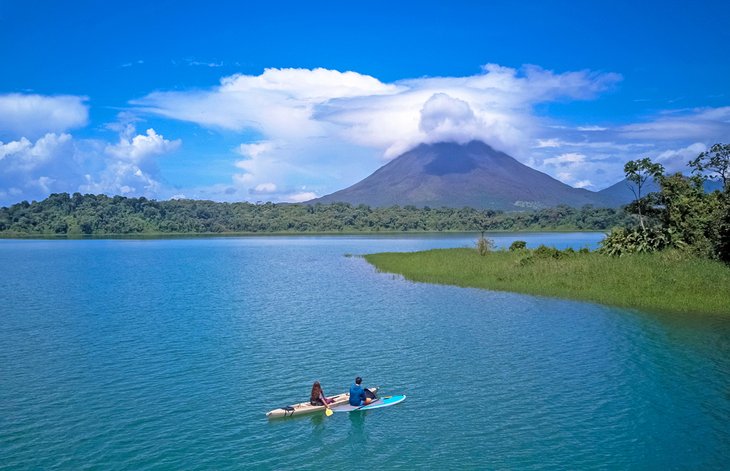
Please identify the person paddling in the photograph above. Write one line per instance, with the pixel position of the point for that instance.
(358, 397)
(317, 398)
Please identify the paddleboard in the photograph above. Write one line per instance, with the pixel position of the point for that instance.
(307, 408)
(376, 404)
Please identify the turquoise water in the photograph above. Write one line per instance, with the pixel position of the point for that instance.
(166, 354)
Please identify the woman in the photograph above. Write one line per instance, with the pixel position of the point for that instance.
(317, 397)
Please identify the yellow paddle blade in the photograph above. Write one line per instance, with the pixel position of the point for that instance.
(328, 412)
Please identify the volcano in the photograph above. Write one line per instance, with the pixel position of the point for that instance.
(459, 175)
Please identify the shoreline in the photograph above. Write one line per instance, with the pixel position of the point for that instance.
(665, 282)
(196, 235)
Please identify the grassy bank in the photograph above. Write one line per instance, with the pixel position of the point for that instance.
(659, 282)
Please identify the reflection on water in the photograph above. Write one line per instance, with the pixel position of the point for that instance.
(357, 419)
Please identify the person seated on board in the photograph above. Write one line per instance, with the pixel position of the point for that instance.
(317, 398)
(358, 395)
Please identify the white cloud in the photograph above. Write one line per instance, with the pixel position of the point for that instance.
(565, 159)
(32, 116)
(549, 143)
(289, 165)
(131, 168)
(258, 155)
(300, 197)
(591, 128)
(263, 188)
(122, 178)
(242, 179)
(447, 118)
(31, 170)
(705, 124)
(141, 146)
(565, 176)
(296, 104)
(59, 163)
(130, 64)
(501, 100)
(671, 138)
(279, 102)
(25, 156)
(193, 62)
(591, 170)
(14, 147)
(675, 160)
(313, 86)
(254, 149)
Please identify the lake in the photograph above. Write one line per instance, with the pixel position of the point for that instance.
(166, 354)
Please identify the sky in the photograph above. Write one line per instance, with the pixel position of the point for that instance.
(287, 101)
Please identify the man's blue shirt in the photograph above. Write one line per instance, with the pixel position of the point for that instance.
(357, 395)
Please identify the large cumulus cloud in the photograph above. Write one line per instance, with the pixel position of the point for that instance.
(38, 156)
(59, 163)
(36, 168)
(316, 123)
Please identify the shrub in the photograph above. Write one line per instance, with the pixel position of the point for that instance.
(484, 245)
(543, 251)
(517, 245)
(620, 241)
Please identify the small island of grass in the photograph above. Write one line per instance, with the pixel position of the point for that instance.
(666, 281)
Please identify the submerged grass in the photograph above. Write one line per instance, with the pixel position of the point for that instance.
(658, 282)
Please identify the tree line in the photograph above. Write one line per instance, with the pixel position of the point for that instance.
(79, 215)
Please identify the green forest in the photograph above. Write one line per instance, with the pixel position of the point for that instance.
(79, 215)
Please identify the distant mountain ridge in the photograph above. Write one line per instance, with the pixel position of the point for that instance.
(620, 193)
(456, 175)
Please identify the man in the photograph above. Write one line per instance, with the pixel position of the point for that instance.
(358, 396)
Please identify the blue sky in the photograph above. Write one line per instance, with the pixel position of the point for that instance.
(285, 101)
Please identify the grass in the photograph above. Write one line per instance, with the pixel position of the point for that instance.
(660, 282)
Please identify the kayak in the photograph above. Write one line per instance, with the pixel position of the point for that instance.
(307, 408)
(376, 404)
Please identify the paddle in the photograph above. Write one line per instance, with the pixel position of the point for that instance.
(369, 395)
(370, 403)
(327, 410)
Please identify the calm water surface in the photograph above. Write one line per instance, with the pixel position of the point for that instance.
(166, 354)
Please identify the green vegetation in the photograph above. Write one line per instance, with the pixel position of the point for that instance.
(681, 215)
(671, 261)
(517, 245)
(484, 245)
(77, 215)
(667, 281)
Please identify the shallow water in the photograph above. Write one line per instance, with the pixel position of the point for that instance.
(166, 354)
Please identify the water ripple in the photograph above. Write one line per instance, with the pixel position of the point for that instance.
(151, 355)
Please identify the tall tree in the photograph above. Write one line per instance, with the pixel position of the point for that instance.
(638, 172)
(714, 163)
(687, 213)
